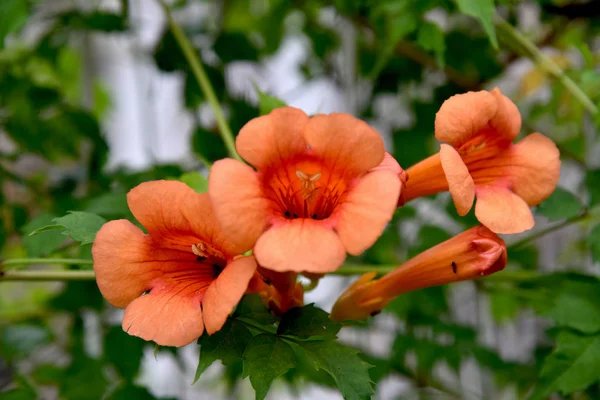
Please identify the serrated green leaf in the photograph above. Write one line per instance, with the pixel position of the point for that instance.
(252, 307)
(593, 241)
(267, 357)
(561, 204)
(430, 37)
(572, 367)
(78, 225)
(267, 103)
(227, 345)
(195, 180)
(45, 243)
(348, 370)
(483, 10)
(308, 322)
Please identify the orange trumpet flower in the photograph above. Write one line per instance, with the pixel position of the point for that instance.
(472, 254)
(185, 275)
(323, 186)
(480, 160)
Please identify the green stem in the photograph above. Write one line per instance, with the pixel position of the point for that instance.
(347, 270)
(512, 37)
(550, 229)
(47, 276)
(27, 261)
(196, 66)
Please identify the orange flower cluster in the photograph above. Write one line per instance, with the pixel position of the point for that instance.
(316, 189)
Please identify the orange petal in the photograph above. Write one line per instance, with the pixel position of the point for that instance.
(169, 315)
(502, 211)
(536, 168)
(176, 216)
(300, 245)
(389, 163)
(507, 121)
(238, 201)
(425, 178)
(119, 250)
(460, 182)
(272, 138)
(464, 115)
(367, 209)
(226, 291)
(345, 142)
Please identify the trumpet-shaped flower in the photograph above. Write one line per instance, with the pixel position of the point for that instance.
(323, 186)
(479, 160)
(182, 277)
(472, 254)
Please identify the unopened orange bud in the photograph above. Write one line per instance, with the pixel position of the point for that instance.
(472, 254)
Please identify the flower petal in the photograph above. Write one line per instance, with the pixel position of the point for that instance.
(389, 163)
(367, 209)
(502, 211)
(507, 121)
(536, 168)
(226, 291)
(345, 142)
(176, 216)
(271, 138)
(300, 245)
(238, 201)
(119, 250)
(169, 315)
(460, 182)
(464, 115)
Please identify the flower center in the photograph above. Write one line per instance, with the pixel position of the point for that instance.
(209, 256)
(305, 189)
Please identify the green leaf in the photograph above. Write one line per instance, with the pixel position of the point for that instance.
(13, 16)
(266, 358)
(431, 37)
(572, 367)
(78, 225)
(592, 178)
(348, 370)
(124, 352)
(109, 205)
(227, 345)
(44, 243)
(593, 241)
(483, 10)
(561, 204)
(308, 322)
(196, 181)
(267, 103)
(577, 306)
(252, 307)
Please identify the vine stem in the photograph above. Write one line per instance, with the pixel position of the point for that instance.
(203, 81)
(514, 38)
(578, 218)
(46, 275)
(28, 261)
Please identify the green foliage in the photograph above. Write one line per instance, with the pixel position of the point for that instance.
(308, 322)
(267, 103)
(483, 10)
(78, 225)
(561, 204)
(351, 374)
(571, 367)
(195, 180)
(45, 242)
(431, 37)
(593, 241)
(266, 358)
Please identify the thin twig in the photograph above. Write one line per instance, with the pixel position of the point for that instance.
(198, 71)
(515, 39)
(47, 275)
